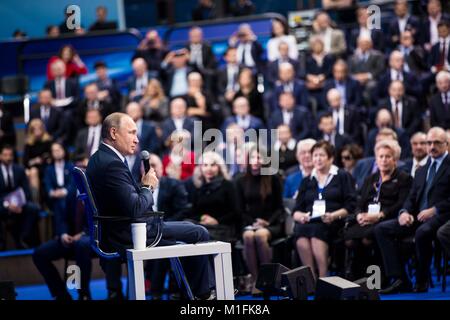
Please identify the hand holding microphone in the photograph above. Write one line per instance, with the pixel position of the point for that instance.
(149, 179)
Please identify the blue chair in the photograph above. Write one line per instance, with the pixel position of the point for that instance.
(94, 220)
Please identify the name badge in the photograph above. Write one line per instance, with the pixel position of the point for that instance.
(319, 208)
(374, 209)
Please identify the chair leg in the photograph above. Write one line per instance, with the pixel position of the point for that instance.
(181, 277)
(444, 273)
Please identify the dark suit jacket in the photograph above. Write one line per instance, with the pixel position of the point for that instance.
(353, 92)
(339, 142)
(148, 140)
(363, 169)
(81, 142)
(20, 181)
(168, 126)
(413, 24)
(411, 83)
(167, 77)
(72, 88)
(411, 114)
(63, 219)
(222, 79)
(7, 126)
(352, 123)
(375, 64)
(255, 123)
(439, 116)
(416, 60)
(425, 36)
(272, 71)
(172, 199)
(300, 93)
(208, 57)
(131, 83)
(300, 124)
(54, 122)
(439, 194)
(257, 51)
(104, 107)
(435, 55)
(116, 194)
(403, 141)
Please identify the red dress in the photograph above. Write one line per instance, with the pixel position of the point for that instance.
(72, 69)
(187, 165)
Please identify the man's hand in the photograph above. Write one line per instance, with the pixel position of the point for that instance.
(15, 209)
(406, 219)
(206, 219)
(66, 240)
(150, 179)
(426, 214)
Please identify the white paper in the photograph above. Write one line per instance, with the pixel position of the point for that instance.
(374, 209)
(59, 103)
(319, 208)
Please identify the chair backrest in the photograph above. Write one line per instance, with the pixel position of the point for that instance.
(91, 213)
(14, 85)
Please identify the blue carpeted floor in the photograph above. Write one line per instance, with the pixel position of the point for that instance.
(98, 291)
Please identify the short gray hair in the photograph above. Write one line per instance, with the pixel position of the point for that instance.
(112, 121)
(391, 145)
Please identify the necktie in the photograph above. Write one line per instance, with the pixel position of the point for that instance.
(431, 175)
(91, 141)
(398, 76)
(46, 116)
(397, 115)
(338, 123)
(442, 57)
(445, 102)
(244, 55)
(9, 178)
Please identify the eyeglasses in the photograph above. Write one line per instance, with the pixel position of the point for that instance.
(435, 142)
(347, 158)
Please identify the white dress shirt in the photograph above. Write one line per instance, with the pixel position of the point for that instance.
(178, 122)
(402, 23)
(416, 165)
(394, 74)
(287, 116)
(339, 114)
(59, 170)
(94, 133)
(248, 54)
(155, 199)
(243, 121)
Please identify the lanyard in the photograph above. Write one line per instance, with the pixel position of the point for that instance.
(320, 189)
(378, 190)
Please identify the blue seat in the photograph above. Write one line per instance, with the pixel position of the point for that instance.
(94, 224)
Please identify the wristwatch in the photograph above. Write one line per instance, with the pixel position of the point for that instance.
(147, 186)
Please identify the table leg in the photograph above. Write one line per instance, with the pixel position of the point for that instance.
(227, 276)
(218, 272)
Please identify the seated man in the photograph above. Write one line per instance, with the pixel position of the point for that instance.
(425, 210)
(24, 215)
(71, 240)
(117, 194)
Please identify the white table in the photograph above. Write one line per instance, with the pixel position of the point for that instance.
(222, 265)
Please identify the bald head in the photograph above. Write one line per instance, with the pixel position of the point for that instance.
(139, 67)
(286, 72)
(195, 35)
(134, 110)
(334, 98)
(384, 119)
(437, 142)
(396, 60)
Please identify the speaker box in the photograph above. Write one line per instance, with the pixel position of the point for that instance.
(336, 288)
(269, 278)
(366, 293)
(7, 291)
(299, 283)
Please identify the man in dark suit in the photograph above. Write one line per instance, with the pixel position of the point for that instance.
(108, 88)
(298, 118)
(327, 131)
(428, 30)
(384, 120)
(88, 138)
(414, 56)
(405, 110)
(117, 194)
(24, 216)
(63, 87)
(137, 84)
(396, 71)
(350, 89)
(148, 139)
(288, 83)
(419, 154)
(401, 22)
(439, 58)
(70, 230)
(7, 129)
(92, 101)
(346, 118)
(440, 102)
(178, 121)
(227, 80)
(273, 67)
(249, 50)
(52, 117)
(375, 34)
(426, 209)
(242, 116)
(101, 23)
(175, 71)
(201, 56)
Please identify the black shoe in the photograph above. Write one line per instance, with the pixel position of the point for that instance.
(420, 288)
(397, 286)
(211, 295)
(115, 295)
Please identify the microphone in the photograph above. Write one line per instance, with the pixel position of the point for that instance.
(145, 155)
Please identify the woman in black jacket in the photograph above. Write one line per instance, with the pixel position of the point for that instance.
(381, 197)
(324, 199)
(261, 205)
(214, 202)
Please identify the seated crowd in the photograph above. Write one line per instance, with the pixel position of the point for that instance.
(362, 133)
